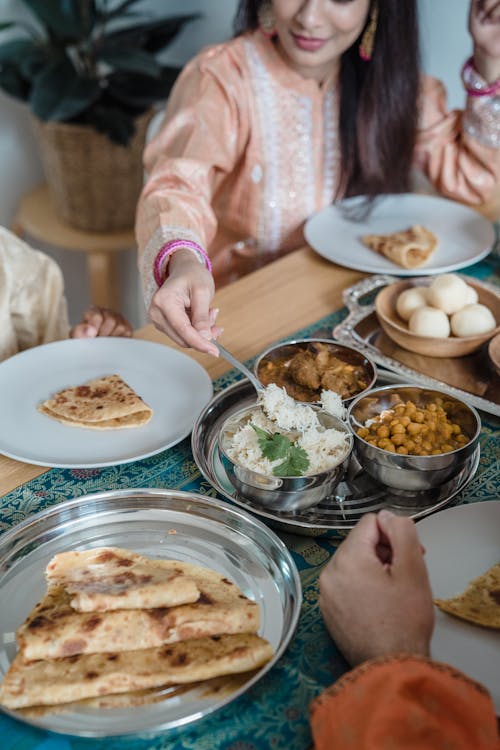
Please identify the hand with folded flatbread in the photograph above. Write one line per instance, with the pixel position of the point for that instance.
(375, 595)
(101, 321)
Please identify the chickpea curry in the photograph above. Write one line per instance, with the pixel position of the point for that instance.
(305, 371)
(409, 429)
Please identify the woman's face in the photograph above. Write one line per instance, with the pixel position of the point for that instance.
(313, 34)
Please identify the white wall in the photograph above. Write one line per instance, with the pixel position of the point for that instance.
(445, 45)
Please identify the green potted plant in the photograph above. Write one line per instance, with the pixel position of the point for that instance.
(91, 73)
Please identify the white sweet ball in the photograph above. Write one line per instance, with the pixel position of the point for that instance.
(409, 300)
(472, 320)
(448, 292)
(470, 296)
(430, 322)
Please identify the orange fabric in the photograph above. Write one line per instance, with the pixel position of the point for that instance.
(404, 702)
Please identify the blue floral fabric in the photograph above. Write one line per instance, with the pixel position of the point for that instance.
(273, 715)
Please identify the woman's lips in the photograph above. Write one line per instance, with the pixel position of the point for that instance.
(308, 43)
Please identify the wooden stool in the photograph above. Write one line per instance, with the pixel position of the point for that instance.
(36, 216)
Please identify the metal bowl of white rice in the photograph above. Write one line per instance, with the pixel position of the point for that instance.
(325, 439)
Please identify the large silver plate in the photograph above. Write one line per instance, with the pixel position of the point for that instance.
(356, 495)
(349, 332)
(159, 523)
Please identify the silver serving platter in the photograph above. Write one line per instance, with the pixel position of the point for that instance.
(346, 333)
(159, 523)
(356, 495)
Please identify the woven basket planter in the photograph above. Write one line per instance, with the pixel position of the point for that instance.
(95, 184)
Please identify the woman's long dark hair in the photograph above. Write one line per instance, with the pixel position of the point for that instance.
(378, 101)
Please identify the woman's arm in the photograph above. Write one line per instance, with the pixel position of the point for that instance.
(199, 144)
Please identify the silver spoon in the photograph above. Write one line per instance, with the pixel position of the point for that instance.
(239, 366)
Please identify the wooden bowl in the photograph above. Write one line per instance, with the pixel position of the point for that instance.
(454, 346)
(494, 352)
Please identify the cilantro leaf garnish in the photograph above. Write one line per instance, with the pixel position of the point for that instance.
(275, 446)
(294, 465)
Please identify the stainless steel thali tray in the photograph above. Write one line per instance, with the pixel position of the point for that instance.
(356, 495)
(158, 523)
(469, 378)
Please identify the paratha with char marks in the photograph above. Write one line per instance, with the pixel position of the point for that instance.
(112, 578)
(479, 603)
(101, 403)
(85, 676)
(54, 629)
(409, 248)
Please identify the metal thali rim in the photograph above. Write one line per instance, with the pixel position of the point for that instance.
(111, 502)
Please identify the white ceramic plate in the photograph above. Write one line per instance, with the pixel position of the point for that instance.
(462, 543)
(464, 235)
(174, 385)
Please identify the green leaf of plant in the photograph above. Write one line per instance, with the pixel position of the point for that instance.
(118, 11)
(7, 25)
(15, 51)
(58, 94)
(13, 83)
(152, 35)
(137, 90)
(62, 18)
(295, 464)
(134, 61)
(113, 122)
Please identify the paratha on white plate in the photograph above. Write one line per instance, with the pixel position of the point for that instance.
(102, 403)
(409, 248)
(479, 603)
(85, 676)
(113, 578)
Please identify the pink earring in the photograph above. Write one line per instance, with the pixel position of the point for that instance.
(266, 19)
(368, 39)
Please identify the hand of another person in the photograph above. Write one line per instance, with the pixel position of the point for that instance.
(181, 307)
(100, 321)
(375, 595)
(484, 27)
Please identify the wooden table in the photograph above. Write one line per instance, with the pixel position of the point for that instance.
(36, 216)
(260, 308)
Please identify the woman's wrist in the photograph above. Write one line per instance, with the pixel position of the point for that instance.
(183, 249)
(481, 78)
(487, 66)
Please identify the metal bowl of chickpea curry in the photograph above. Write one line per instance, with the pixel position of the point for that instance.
(411, 438)
(305, 367)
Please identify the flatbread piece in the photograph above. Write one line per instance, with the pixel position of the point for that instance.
(108, 578)
(77, 677)
(102, 403)
(54, 629)
(409, 248)
(479, 603)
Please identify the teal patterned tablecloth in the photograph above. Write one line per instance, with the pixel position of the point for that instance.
(273, 715)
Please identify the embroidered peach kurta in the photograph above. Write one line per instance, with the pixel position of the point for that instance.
(33, 308)
(248, 150)
(404, 702)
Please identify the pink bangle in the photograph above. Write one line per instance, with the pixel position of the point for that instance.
(487, 90)
(171, 247)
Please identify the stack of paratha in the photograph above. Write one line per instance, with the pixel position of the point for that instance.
(113, 621)
(101, 404)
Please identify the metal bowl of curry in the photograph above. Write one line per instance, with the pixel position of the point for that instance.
(306, 367)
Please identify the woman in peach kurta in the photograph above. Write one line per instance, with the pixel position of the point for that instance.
(251, 145)
(376, 602)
